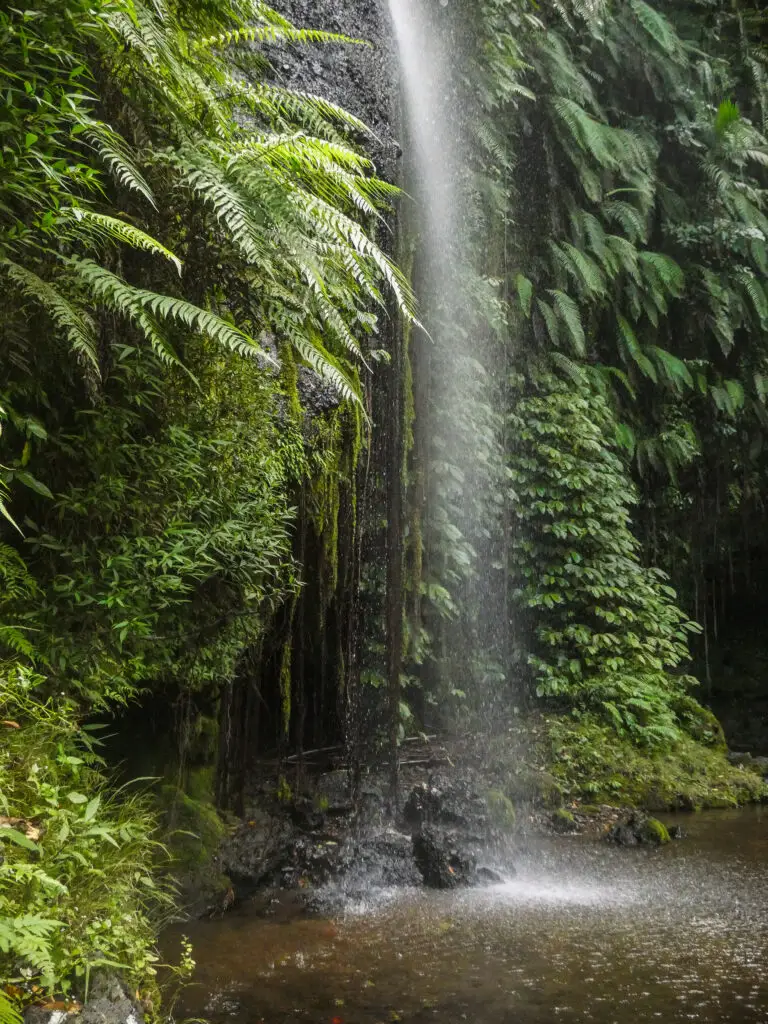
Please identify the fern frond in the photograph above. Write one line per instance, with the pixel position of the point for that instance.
(568, 312)
(113, 229)
(273, 33)
(122, 298)
(75, 323)
(628, 217)
(632, 346)
(657, 27)
(275, 103)
(323, 363)
(112, 151)
(9, 1011)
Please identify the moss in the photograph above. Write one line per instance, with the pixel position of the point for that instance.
(195, 829)
(590, 761)
(655, 832)
(501, 809)
(700, 723)
(548, 790)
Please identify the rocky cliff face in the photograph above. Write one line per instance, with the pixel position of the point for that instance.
(363, 79)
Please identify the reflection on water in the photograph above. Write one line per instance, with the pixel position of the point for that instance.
(585, 932)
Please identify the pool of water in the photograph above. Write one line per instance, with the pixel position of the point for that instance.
(584, 932)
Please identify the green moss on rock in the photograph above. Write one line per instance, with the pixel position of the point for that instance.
(654, 831)
(500, 809)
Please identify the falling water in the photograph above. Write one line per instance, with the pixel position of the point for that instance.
(434, 135)
(454, 380)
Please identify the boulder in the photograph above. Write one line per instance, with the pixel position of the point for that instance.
(440, 860)
(639, 830)
(739, 758)
(489, 876)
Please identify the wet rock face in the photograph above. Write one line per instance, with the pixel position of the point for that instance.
(324, 839)
(359, 78)
(445, 801)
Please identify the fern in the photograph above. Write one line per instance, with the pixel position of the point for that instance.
(133, 303)
(76, 324)
(657, 27)
(273, 33)
(9, 1012)
(568, 311)
(100, 226)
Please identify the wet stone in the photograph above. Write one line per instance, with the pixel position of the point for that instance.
(639, 830)
(442, 862)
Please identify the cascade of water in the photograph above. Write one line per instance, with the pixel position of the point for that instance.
(461, 421)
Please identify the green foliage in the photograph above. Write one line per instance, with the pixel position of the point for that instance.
(160, 556)
(609, 635)
(183, 242)
(77, 884)
(281, 202)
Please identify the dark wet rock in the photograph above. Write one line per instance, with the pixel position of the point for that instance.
(333, 794)
(446, 801)
(39, 1015)
(441, 860)
(307, 814)
(316, 394)
(639, 830)
(371, 806)
(488, 876)
(257, 852)
(381, 859)
(422, 806)
(104, 1011)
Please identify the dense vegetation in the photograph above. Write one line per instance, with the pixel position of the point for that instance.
(197, 442)
(621, 149)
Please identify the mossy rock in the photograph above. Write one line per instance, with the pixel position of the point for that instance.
(700, 723)
(563, 820)
(591, 809)
(590, 761)
(501, 810)
(653, 831)
(194, 829)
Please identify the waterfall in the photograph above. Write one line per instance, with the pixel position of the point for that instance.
(454, 369)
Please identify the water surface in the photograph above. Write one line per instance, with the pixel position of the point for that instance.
(585, 932)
